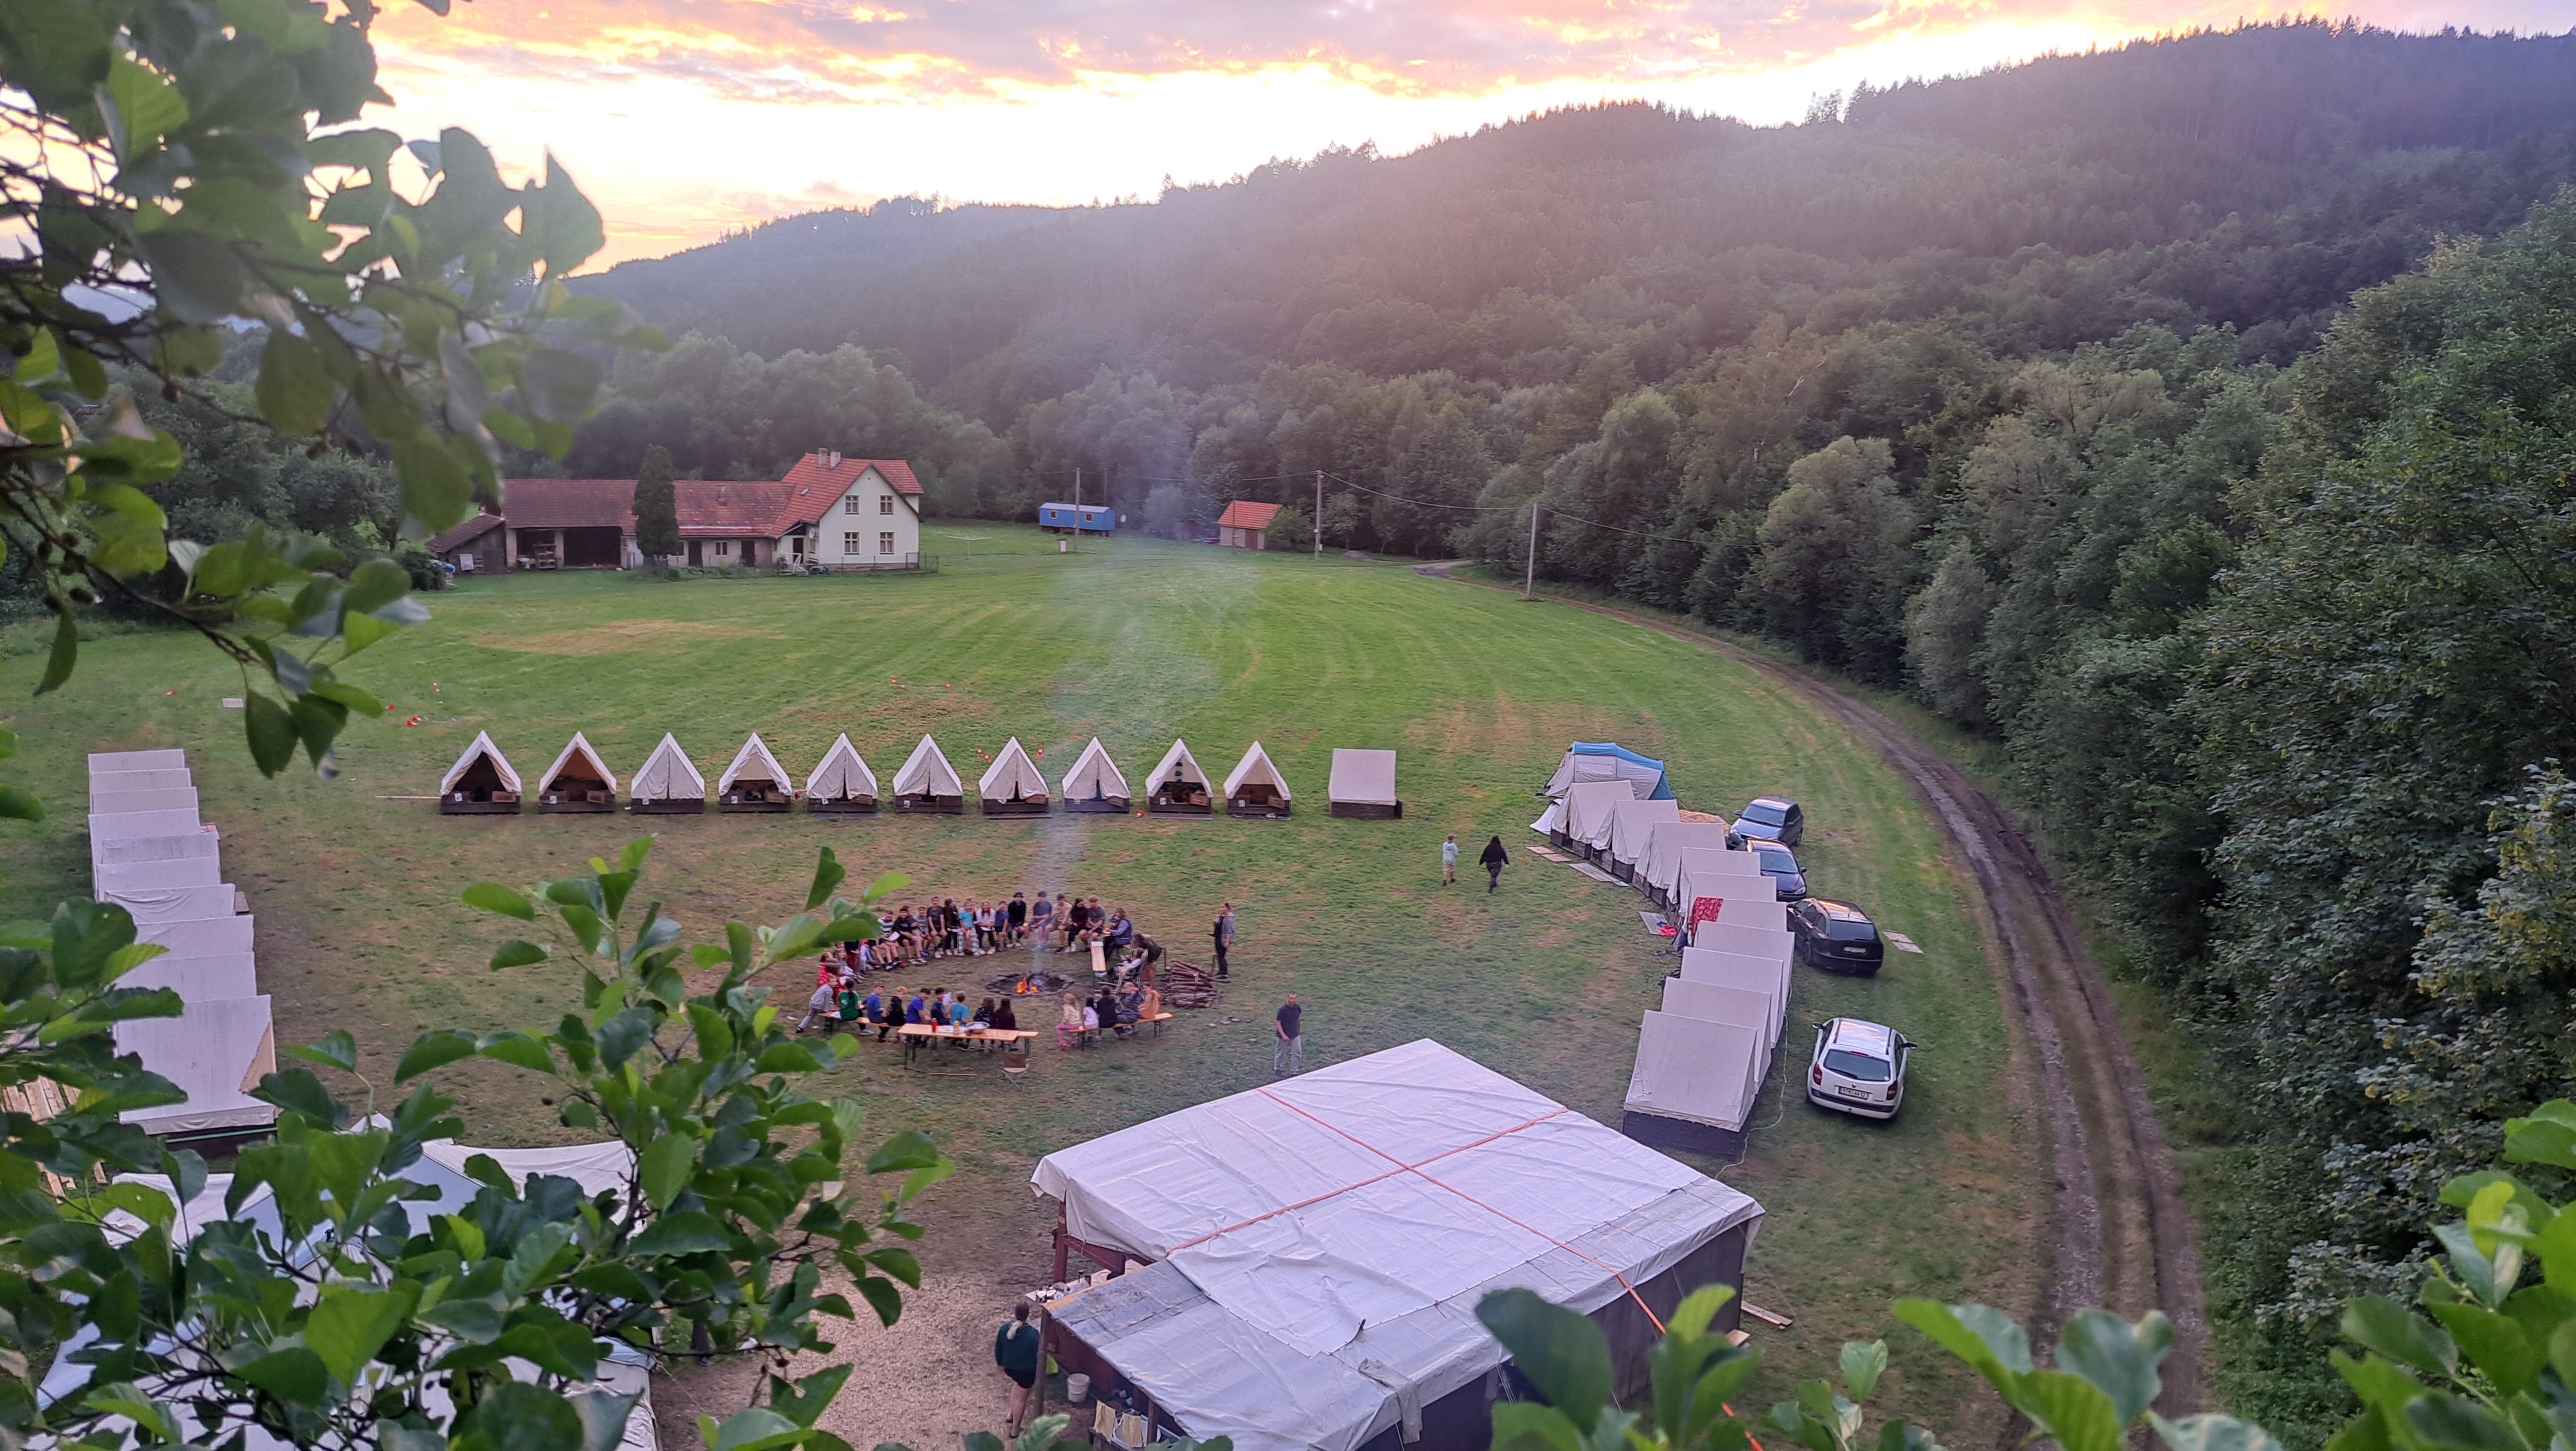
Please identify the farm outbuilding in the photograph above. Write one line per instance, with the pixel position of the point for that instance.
(755, 781)
(1177, 787)
(1313, 1251)
(1077, 518)
(1095, 785)
(927, 784)
(842, 784)
(1245, 524)
(1363, 785)
(481, 783)
(1255, 788)
(668, 783)
(578, 780)
(1011, 786)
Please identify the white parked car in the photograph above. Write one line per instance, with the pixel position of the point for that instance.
(1859, 1068)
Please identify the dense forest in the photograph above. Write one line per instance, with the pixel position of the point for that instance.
(2195, 420)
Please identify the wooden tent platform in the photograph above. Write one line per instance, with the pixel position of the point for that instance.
(1104, 806)
(930, 805)
(1016, 808)
(846, 806)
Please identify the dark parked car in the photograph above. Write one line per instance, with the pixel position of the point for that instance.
(1770, 818)
(1837, 937)
(1780, 864)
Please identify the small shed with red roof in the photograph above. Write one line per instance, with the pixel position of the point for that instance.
(1244, 523)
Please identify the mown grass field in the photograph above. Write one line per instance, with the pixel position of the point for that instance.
(1135, 642)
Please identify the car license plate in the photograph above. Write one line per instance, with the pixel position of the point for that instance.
(1858, 1094)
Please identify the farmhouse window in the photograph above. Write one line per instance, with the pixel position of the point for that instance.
(885, 503)
(723, 548)
(850, 505)
(850, 543)
(885, 544)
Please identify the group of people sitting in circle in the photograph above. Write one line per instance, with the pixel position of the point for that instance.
(942, 929)
(838, 1005)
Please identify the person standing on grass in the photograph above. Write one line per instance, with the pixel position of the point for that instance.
(1495, 859)
(1015, 1352)
(1224, 935)
(1449, 862)
(1291, 1057)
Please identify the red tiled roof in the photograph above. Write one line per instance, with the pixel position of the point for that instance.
(1245, 514)
(465, 533)
(810, 471)
(569, 504)
(732, 508)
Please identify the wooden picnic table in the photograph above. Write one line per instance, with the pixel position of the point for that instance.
(916, 1035)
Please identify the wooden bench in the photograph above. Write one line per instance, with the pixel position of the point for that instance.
(1093, 1035)
(917, 1035)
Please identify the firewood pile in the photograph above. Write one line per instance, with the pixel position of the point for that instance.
(1185, 986)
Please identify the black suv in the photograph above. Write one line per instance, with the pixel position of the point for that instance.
(1837, 937)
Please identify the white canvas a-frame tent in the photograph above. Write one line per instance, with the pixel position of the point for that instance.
(216, 1052)
(1334, 1320)
(1695, 1081)
(481, 783)
(1631, 823)
(1661, 869)
(668, 783)
(1255, 788)
(1011, 785)
(1095, 784)
(755, 781)
(842, 784)
(928, 784)
(578, 780)
(1177, 787)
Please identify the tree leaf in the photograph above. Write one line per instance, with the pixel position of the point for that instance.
(296, 392)
(516, 953)
(1563, 1353)
(434, 1050)
(507, 901)
(2072, 1410)
(2378, 1323)
(64, 654)
(335, 1049)
(2120, 1359)
(2213, 1433)
(688, 1231)
(1862, 1366)
(664, 1167)
(518, 1049)
(272, 733)
(350, 1325)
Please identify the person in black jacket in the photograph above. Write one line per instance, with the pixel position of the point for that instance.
(1495, 859)
(1015, 1350)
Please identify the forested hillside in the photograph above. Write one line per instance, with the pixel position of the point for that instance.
(2198, 420)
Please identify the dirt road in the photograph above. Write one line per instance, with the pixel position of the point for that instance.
(2120, 1237)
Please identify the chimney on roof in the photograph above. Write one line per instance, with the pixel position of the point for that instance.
(832, 460)
(720, 493)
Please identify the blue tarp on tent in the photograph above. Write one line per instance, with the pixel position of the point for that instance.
(1663, 784)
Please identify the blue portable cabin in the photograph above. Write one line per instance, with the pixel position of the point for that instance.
(1077, 518)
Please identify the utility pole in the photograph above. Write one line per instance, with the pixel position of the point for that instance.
(1319, 516)
(1529, 581)
(1077, 504)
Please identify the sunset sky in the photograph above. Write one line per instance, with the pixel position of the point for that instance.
(683, 118)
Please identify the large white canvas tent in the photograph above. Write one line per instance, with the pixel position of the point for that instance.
(1588, 805)
(216, 1053)
(755, 781)
(1177, 786)
(578, 780)
(1724, 875)
(1741, 990)
(481, 783)
(1304, 1288)
(1694, 1083)
(199, 979)
(1254, 787)
(1770, 913)
(595, 1167)
(200, 936)
(1011, 786)
(1631, 822)
(1094, 785)
(174, 904)
(668, 783)
(842, 784)
(928, 784)
(198, 841)
(110, 878)
(170, 760)
(1662, 866)
(1363, 785)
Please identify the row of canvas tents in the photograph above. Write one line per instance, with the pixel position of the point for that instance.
(483, 782)
(151, 855)
(1705, 1052)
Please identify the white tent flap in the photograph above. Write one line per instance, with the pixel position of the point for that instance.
(172, 760)
(199, 936)
(668, 775)
(1255, 769)
(1750, 941)
(755, 763)
(128, 825)
(926, 772)
(185, 844)
(1720, 1003)
(113, 878)
(1177, 765)
(174, 904)
(216, 1053)
(595, 1167)
(1362, 778)
(160, 798)
(224, 975)
(481, 750)
(842, 775)
(1095, 777)
(1012, 776)
(583, 762)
